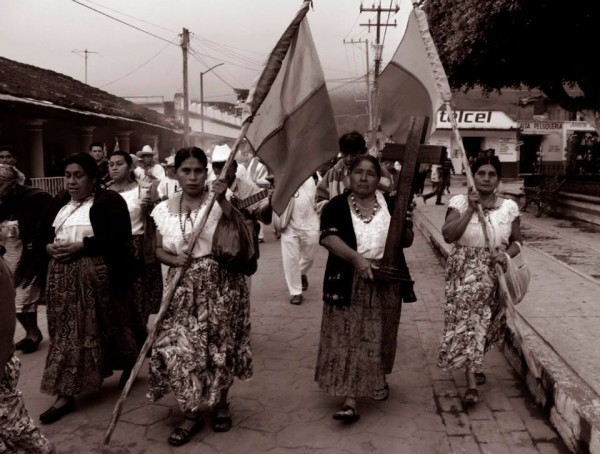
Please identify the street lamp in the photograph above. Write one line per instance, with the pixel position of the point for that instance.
(202, 94)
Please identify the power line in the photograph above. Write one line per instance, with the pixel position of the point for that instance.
(123, 22)
(353, 25)
(130, 16)
(136, 68)
(198, 58)
(387, 21)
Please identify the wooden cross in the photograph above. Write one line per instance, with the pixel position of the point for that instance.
(411, 154)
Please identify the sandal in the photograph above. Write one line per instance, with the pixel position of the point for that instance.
(471, 396)
(221, 423)
(480, 378)
(181, 436)
(346, 414)
(381, 394)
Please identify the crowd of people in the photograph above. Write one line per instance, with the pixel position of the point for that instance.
(93, 255)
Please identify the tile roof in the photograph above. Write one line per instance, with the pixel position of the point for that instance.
(27, 82)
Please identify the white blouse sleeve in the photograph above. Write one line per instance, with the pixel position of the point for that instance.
(160, 214)
(459, 202)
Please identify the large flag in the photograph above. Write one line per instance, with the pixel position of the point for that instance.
(414, 82)
(293, 128)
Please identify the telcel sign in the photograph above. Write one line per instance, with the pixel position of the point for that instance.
(482, 119)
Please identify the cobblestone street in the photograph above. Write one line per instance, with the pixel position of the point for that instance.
(282, 410)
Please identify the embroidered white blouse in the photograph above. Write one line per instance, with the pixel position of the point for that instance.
(499, 221)
(371, 237)
(134, 206)
(72, 223)
(169, 223)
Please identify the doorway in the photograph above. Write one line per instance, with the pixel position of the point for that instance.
(529, 149)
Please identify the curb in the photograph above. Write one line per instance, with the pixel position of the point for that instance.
(572, 406)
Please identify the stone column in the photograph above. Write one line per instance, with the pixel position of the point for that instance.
(86, 137)
(35, 148)
(124, 143)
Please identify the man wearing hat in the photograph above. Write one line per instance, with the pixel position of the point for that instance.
(169, 185)
(241, 187)
(152, 171)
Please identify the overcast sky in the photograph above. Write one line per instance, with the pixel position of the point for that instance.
(238, 33)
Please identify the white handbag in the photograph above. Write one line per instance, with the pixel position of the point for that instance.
(516, 278)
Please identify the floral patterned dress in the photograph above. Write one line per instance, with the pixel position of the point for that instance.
(204, 340)
(18, 434)
(474, 320)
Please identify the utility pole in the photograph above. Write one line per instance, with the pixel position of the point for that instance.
(378, 46)
(185, 43)
(369, 111)
(85, 53)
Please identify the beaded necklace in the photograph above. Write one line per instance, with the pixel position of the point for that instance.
(361, 216)
(186, 236)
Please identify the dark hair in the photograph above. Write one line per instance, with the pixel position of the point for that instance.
(369, 158)
(84, 160)
(128, 160)
(485, 160)
(125, 155)
(96, 144)
(190, 152)
(352, 143)
(8, 148)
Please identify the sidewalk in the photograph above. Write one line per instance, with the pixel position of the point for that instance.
(281, 410)
(559, 318)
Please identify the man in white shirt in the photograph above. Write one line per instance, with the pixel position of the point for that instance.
(300, 239)
(242, 188)
(168, 186)
(152, 171)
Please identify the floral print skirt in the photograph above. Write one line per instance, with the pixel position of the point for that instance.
(204, 340)
(91, 328)
(357, 347)
(474, 320)
(18, 434)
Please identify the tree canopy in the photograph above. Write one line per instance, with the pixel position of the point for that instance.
(548, 45)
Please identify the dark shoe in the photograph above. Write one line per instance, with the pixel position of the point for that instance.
(53, 414)
(471, 396)
(381, 394)
(296, 299)
(260, 240)
(439, 203)
(181, 436)
(29, 346)
(346, 414)
(480, 378)
(221, 423)
(304, 282)
(19, 345)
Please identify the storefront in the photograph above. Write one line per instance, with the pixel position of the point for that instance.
(541, 145)
(558, 147)
(481, 131)
(582, 148)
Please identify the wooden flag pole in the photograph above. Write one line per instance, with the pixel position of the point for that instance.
(509, 307)
(168, 296)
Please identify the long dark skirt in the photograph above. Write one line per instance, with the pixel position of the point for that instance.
(90, 327)
(148, 288)
(358, 343)
(204, 340)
